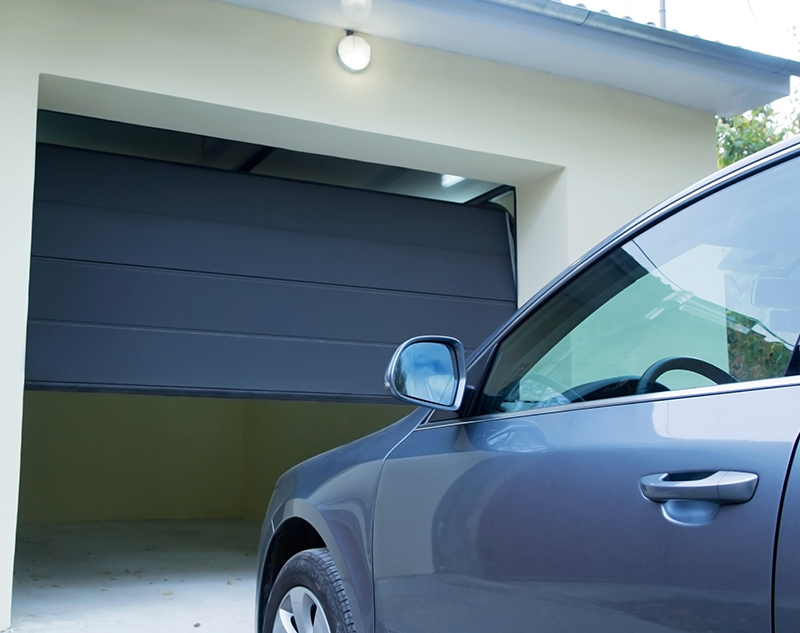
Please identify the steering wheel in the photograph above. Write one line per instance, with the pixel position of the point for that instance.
(652, 373)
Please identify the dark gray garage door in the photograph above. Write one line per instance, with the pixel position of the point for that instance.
(161, 278)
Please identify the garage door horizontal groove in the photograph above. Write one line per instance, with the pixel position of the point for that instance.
(377, 290)
(360, 398)
(387, 345)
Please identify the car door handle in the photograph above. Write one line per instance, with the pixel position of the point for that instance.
(721, 486)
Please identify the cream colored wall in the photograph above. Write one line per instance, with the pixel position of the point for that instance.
(584, 158)
(95, 457)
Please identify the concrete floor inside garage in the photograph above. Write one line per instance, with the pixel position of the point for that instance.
(142, 513)
(155, 576)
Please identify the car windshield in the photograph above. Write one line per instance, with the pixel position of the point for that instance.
(718, 281)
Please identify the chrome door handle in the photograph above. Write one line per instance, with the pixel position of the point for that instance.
(722, 487)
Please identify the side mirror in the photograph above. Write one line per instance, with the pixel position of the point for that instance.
(428, 371)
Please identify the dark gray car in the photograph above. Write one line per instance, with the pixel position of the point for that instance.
(615, 458)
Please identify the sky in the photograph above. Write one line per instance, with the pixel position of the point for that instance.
(759, 25)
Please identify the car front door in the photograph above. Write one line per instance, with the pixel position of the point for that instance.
(622, 463)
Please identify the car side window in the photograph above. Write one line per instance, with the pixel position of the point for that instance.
(708, 295)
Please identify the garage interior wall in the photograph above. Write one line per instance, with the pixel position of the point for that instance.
(112, 457)
(583, 158)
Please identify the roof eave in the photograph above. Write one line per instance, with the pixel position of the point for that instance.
(571, 42)
(652, 34)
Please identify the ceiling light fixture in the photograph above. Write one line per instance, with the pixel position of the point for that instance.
(354, 52)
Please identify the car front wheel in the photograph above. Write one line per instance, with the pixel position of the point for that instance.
(308, 597)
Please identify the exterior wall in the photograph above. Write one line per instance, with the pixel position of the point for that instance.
(584, 158)
(116, 457)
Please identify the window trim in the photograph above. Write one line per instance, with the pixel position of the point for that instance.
(783, 382)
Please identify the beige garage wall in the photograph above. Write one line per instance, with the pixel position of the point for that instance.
(95, 457)
(88, 456)
(584, 158)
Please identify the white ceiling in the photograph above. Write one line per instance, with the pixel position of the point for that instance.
(568, 41)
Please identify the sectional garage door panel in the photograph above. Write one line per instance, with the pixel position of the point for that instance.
(165, 242)
(131, 297)
(167, 361)
(163, 278)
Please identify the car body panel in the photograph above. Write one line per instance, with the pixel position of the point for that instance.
(334, 493)
(523, 521)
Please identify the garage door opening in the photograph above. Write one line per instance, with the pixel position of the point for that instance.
(140, 511)
(197, 326)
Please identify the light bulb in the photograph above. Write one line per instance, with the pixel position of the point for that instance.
(354, 52)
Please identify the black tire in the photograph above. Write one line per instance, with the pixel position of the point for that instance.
(309, 583)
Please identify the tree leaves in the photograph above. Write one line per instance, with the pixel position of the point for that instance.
(747, 133)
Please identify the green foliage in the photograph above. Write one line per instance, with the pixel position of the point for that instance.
(750, 355)
(747, 133)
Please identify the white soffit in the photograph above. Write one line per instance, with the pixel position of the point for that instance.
(570, 42)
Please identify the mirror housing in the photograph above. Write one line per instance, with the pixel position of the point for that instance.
(428, 371)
